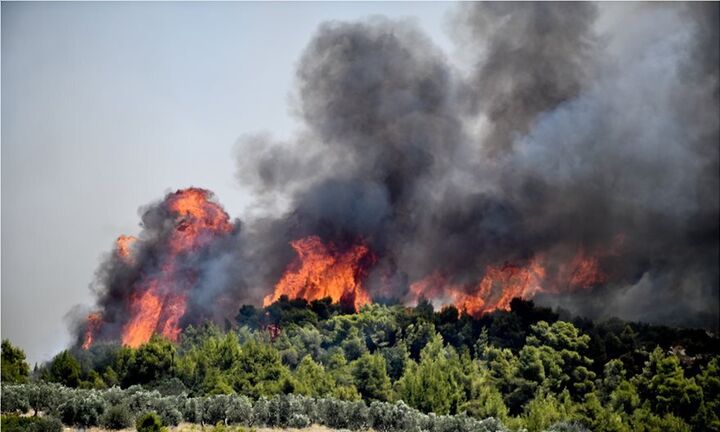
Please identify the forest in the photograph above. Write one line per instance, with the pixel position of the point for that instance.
(387, 367)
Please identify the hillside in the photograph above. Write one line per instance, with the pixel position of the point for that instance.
(525, 367)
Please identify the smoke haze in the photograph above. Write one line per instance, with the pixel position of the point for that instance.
(563, 136)
(564, 133)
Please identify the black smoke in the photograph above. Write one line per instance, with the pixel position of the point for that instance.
(574, 127)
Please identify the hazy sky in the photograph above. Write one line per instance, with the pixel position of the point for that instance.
(107, 106)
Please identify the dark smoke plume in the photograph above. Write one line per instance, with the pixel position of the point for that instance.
(570, 133)
(591, 140)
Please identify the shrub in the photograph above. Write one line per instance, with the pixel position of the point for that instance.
(46, 397)
(149, 422)
(492, 424)
(14, 399)
(567, 427)
(166, 408)
(15, 423)
(215, 409)
(114, 396)
(336, 413)
(261, 412)
(117, 417)
(140, 400)
(278, 410)
(192, 410)
(83, 409)
(299, 421)
(393, 417)
(239, 410)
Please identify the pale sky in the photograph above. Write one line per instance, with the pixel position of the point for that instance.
(107, 106)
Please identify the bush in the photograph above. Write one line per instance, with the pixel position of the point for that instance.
(117, 417)
(299, 421)
(149, 422)
(239, 410)
(15, 423)
(166, 408)
(393, 417)
(278, 410)
(114, 396)
(261, 412)
(492, 424)
(215, 409)
(83, 409)
(46, 397)
(340, 414)
(567, 427)
(140, 400)
(14, 399)
(192, 410)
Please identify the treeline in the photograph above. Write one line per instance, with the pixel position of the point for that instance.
(526, 367)
(116, 409)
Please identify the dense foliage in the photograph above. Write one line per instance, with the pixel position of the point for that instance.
(287, 364)
(14, 369)
(16, 423)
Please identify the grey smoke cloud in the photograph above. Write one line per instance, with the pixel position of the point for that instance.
(588, 141)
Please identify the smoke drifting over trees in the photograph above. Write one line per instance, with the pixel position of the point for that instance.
(572, 133)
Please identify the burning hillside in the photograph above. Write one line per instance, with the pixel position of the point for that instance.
(157, 270)
(559, 167)
(162, 274)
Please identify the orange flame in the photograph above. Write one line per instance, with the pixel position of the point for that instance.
(586, 271)
(198, 219)
(123, 246)
(321, 271)
(94, 321)
(500, 284)
(158, 301)
(145, 309)
(495, 290)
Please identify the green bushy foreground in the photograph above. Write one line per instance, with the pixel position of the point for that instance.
(389, 368)
(85, 408)
(16, 423)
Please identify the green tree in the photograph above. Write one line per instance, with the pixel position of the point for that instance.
(488, 402)
(153, 361)
(15, 369)
(417, 336)
(434, 384)
(63, 369)
(341, 372)
(354, 345)
(613, 374)
(259, 371)
(663, 383)
(561, 350)
(542, 411)
(312, 379)
(644, 420)
(371, 377)
(396, 358)
(709, 382)
(624, 398)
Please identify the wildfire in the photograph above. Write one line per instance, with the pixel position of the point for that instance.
(94, 320)
(123, 247)
(494, 291)
(198, 219)
(158, 300)
(157, 277)
(321, 271)
(145, 310)
(500, 284)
